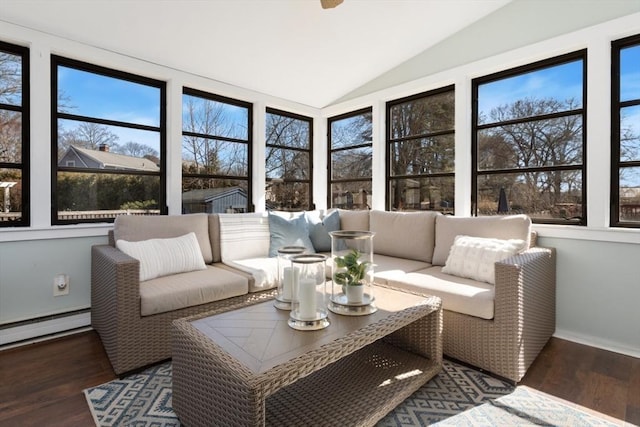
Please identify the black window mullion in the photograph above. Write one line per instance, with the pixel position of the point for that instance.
(107, 122)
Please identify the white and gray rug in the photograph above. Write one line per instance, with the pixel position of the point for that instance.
(458, 396)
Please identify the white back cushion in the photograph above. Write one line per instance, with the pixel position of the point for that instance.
(161, 257)
(244, 236)
(134, 228)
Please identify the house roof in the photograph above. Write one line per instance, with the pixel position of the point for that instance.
(110, 160)
(208, 194)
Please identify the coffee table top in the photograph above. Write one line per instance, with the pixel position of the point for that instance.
(259, 338)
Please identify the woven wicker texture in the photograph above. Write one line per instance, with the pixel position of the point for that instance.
(212, 387)
(130, 340)
(525, 310)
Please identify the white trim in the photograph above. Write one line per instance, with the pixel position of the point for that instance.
(44, 328)
(18, 234)
(597, 342)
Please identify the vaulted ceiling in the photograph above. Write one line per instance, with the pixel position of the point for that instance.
(292, 49)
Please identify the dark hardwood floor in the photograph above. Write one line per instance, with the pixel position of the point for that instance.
(41, 384)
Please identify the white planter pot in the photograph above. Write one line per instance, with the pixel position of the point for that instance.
(355, 294)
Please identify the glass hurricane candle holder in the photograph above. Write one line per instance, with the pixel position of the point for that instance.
(309, 298)
(287, 275)
(352, 273)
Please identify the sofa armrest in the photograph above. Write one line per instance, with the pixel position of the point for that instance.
(115, 290)
(526, 288)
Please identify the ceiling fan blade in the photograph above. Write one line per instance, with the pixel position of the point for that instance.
(329, 4)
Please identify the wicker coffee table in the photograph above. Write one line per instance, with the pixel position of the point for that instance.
(247, 367)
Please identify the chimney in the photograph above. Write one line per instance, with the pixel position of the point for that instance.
(103, 147)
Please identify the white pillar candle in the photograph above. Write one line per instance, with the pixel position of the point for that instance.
(307, 299)
(290, 277)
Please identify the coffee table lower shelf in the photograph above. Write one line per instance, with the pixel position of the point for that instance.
(358, 389)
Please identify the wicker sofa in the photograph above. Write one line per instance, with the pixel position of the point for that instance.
(515, 319)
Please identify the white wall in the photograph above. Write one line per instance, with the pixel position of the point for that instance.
(598, 267)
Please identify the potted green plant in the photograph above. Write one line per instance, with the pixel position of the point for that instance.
(350, 275)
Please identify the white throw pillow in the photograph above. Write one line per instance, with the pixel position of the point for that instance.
(474, 257)
(161, 257)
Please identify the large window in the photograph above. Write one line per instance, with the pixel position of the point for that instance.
(14, 135)
(529, 141)
(108, 143)
(216, 153)
(288, 161)
(420, 152)
(350, 150)
(625, 125)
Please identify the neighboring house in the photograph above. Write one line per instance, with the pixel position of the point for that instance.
(76, 157)
(215, 200)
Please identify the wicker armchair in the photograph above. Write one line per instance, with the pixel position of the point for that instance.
(524, 320)
(133, 341)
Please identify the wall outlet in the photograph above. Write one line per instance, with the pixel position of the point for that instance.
(60, 285)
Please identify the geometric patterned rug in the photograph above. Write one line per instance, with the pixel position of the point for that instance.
(457, 396)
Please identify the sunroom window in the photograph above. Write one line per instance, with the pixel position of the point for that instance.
(288, 161)
(14, 135)
(216, 153)
(350, 157)
(108, 143)
(625, 124)
(529, 141)
(421, 152)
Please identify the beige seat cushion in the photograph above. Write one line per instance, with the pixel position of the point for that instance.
(407, 235)
(182, 290)
(387, 268)
(458, 294)
(497, 227)
(135, 228)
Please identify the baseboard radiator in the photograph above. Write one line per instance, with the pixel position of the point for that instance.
(42, 328)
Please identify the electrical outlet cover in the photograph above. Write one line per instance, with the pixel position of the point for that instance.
(60, 285)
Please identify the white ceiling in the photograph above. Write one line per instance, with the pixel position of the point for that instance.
(292, 49)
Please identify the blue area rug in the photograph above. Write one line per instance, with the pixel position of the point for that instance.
(457, 396)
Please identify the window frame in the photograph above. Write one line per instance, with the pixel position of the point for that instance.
(616, 106)
(249, 142)
(389, 141)
(330, 151)
(57, 61)
(309, 151)
(25, 133)
(580, 55)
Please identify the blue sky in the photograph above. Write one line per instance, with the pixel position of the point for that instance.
(561, 82)
(94, 95)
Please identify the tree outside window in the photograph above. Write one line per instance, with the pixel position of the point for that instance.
(350, 156)
(625, 123)
(216, 153)
(108, 140)
(288, 161)
(528, 141)
(420, 152)
(14, 135)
